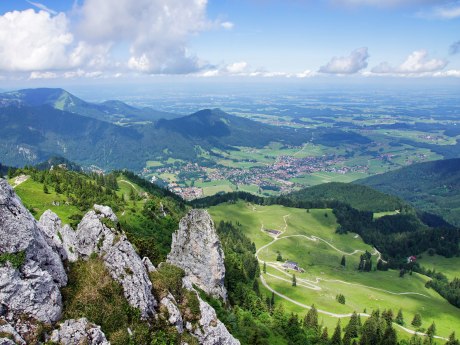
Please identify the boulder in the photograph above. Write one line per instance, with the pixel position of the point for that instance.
(76, 332)
(174, 315)
(196, 249)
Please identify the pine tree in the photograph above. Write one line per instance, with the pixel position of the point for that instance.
(431, 331)
(417, 320)
(272, 300)
(353, 326)
(342, 262)
(294, 280)
(279, 257)
(399, 318)
(389, 337)
(337, 336)
(452, 340)
(45, 189)
(255, 287)
(324, 336)
(311, 319)
(265, 268)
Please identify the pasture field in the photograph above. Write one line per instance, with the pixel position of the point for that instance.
(308, 238)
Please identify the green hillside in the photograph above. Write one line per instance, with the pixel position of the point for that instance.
(310, 240)
(431, 186)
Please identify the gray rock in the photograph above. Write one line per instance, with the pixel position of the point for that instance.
(61, 238)
(174, 314)
(6, 341)
(76, 332)
(7, 329)
(211, 330)
(33, 289)
(148, 265)
(19, 231)
(119, 256)
(196, 249)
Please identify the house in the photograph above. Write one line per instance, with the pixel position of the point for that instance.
(411, 259)
(292, 265)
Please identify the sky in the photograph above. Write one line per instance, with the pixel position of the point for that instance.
(61, 41)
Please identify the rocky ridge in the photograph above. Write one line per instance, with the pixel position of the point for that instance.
(29, 292)
(196, 249)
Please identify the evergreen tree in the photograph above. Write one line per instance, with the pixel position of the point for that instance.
(279, 257)
(294, 280)
(342, 262)
(311, 319)
(272, 301)
(389, 337)
(431, 331)
(255, 287)
(353, 326)
(45, 189)
(415, 340)
(399, 318)
(337, 336)
(324, 336)
(388, 316)
(417, 320)
(265, 268)
(452, 340)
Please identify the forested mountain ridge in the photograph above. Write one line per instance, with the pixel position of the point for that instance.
(430, 186)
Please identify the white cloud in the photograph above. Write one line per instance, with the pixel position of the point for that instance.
(155, 31)
(237, 67)
(306, 74)
(417, 62)
(351, 64)
(34, 41)
(447, 12)
(43, 75)
(227, 25)
(449, 73)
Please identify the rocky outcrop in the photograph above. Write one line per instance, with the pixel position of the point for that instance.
(196, 249)
(61, 238)
(211, 330)
(8, 333)
(32, 288)
(76, 332)
(174, 315)
(94, 235)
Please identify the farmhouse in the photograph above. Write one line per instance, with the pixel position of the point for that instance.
(293, 266)
(273, 232)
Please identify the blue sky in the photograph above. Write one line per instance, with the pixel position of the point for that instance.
(123, 39)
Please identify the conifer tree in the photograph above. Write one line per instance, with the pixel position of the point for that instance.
(399, 318)
(294, 280)
(342, 262)
(452, 340)
(352, 329)
(337, 336)
(311, 319)
(265, 268)
(431, 331)
(417, 320)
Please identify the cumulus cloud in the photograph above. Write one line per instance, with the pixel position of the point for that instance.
(156, 31)
(454, 48)
(451, 11)
(351, 64)
(34, 41)
(43, 75)
(417, 62)
(227, 25)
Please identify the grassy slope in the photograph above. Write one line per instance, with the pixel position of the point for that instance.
(448, 266)
(320, 260)
(32, 195)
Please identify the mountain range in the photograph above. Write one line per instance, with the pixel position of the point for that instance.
(39, 123)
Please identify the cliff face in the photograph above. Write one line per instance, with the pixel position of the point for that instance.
(30, 280)
(196, 249)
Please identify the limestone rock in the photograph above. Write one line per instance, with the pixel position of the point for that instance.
(211, 330)
(76, 332)
(6, 341)
(175, 317)
(196, 249)
(148, 265)
(7, 330)
(60, 238)
(119, 256)
(33, 288)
